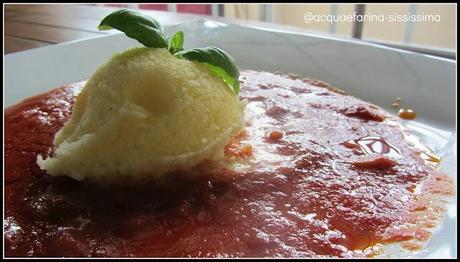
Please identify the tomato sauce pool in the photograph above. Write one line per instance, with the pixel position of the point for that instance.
(314, 173)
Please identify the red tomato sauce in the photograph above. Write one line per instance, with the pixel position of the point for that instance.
(299, 183)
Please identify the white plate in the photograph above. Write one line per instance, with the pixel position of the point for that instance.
(370, 72)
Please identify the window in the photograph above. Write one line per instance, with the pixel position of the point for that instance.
(429, 28)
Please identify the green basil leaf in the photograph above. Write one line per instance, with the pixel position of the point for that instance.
(231, 81)
(216, 60)
(135, 25)
(176, 42)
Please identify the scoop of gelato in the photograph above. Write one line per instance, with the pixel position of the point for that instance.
(142, 114)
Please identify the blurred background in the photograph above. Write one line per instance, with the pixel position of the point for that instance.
(434, 31)
(438, 34)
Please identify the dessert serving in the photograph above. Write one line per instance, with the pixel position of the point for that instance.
(166, 152)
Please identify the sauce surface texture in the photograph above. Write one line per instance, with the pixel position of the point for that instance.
(314, 173)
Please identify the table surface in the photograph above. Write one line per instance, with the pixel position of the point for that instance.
(33, 26)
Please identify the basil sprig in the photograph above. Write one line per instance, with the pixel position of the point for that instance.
(149, 32)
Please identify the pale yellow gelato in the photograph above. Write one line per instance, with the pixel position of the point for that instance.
(142, 114)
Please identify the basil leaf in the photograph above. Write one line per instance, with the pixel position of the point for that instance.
(216, 60)
(135, 25)
(231, 81)
(176, 42)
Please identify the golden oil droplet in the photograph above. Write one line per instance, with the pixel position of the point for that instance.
(406, 113)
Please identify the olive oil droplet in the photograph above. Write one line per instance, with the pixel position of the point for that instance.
(406, 113)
